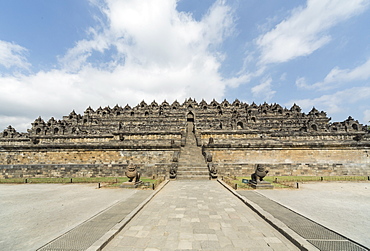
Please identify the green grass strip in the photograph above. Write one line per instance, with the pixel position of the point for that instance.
(74, 180)
(290, 181)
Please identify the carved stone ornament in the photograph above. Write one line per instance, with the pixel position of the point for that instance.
(132, 174)
(259, 173)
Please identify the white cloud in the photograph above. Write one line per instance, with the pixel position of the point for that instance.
(154, 34)
(160, 53)
(77, 57)
(301, 83)
(336, 103)
(236, 81)
(305, 30)
(13, 55)
(15, 122)
(338, 76)
(283, 76)
(264, 90)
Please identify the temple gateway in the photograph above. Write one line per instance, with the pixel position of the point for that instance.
(188, 141)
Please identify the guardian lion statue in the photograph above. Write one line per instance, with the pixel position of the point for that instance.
(132, 174)
(259, 173)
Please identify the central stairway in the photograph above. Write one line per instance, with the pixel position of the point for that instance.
(191, 162)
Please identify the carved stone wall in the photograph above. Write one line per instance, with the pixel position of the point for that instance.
(235, 136)
(85, 156)
(296, 169)
(76, 170)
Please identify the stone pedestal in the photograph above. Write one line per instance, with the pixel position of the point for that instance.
(130, 184)
(261, 185)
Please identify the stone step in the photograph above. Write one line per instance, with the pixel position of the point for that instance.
(192, 157)
(195, 151)
(192, 177)
(199, 153)
(189, 167)
(192, 163)
(192, 145)
(194, 170)
(183, 153)
(183, 165)
(192, 160)
(192, 173)
(184, 150)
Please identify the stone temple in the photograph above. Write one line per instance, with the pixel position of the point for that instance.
(188, 141)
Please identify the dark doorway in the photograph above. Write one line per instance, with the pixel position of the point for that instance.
(190, 117)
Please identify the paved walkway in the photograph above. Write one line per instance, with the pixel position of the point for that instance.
(32, 215)
(197, 215)
(86, 234)
(319, 236)
(341, 206)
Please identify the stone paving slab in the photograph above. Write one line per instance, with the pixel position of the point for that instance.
(32, 215)
(326, 202)
(197, 215)
(316, 234)
(86, 234)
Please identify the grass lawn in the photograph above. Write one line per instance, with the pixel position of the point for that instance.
(105, 181)
(276, 181)
(291, 181)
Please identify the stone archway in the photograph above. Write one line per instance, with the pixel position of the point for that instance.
(190, 117)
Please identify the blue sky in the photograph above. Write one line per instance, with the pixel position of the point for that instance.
(58, 56)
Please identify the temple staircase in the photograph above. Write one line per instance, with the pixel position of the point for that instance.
(192, 164)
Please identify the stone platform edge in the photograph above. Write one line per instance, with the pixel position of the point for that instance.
(108, 236)
(296, 239)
